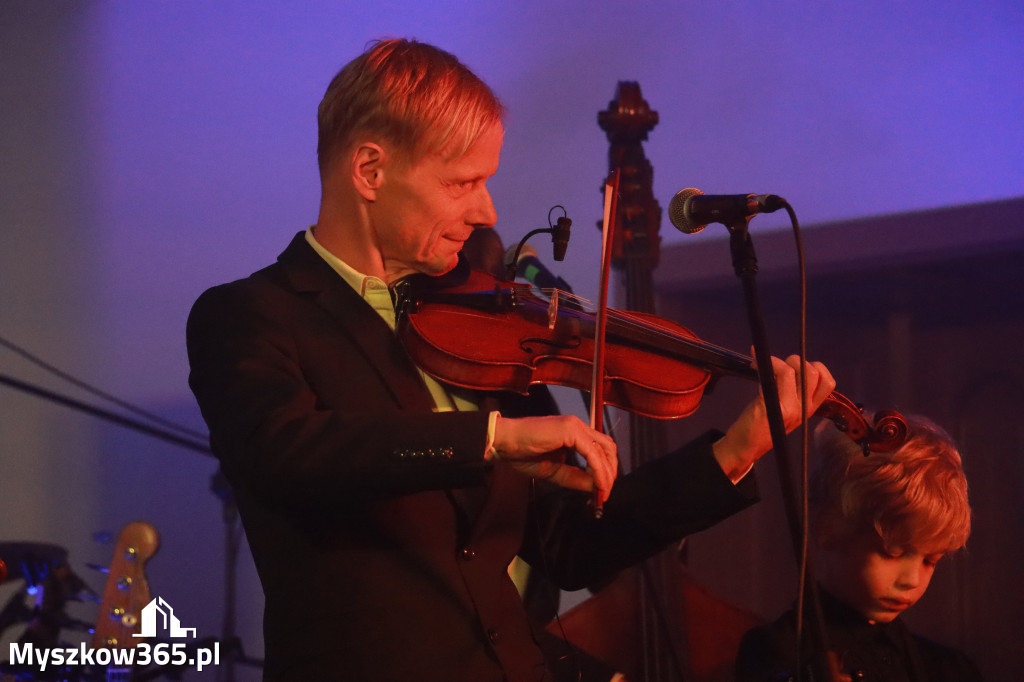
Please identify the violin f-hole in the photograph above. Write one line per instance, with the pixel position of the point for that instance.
(572, 343)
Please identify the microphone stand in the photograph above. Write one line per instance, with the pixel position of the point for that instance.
(744, 261)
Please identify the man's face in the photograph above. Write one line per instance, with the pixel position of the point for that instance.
(426, 208)
(878, 582)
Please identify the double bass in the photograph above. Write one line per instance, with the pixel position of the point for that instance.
(660, 653)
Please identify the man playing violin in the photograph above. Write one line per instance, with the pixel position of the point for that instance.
(382, 507)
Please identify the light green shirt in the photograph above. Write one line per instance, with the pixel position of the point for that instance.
(375, 291)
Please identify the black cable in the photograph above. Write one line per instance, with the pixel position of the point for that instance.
(804, 525)
(39, 362)
(105, 414)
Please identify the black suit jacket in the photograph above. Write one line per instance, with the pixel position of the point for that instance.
(380, 535)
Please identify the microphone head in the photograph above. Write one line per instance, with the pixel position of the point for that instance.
(560, 237)
(678, 211)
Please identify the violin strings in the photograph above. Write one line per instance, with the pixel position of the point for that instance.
(627, 320)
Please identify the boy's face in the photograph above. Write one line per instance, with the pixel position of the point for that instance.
(879, 582)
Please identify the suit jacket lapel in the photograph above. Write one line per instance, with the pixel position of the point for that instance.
(310, 275)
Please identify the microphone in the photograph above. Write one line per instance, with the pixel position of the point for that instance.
(533, 271)
(691, 210)
(560, 237)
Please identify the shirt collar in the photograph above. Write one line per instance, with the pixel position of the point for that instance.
(353, 277)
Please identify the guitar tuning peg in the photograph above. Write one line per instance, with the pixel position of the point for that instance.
(98, 568)
(102, 536)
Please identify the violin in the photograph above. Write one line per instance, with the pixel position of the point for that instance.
(473, 330)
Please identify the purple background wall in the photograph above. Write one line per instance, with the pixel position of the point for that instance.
(152, 150)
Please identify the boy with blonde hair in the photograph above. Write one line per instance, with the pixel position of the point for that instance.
(880, 524)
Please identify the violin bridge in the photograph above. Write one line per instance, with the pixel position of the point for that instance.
(553, 310)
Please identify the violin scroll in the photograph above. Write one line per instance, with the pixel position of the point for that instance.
(890, 431)
(887, 433)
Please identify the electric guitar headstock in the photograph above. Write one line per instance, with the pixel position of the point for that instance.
(126, 592)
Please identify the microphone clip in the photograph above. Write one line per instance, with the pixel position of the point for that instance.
(559, 232)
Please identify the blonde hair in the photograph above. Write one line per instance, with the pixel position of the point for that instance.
(413, 95)
(913, 497)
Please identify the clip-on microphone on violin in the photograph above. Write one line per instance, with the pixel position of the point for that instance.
(560, 242)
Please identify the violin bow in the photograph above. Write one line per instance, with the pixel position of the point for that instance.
(611, 195)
